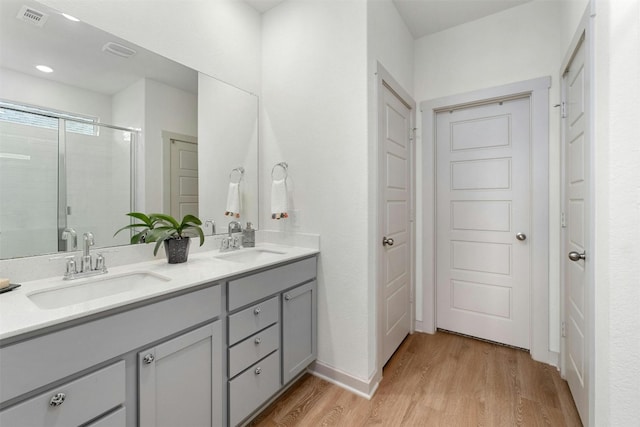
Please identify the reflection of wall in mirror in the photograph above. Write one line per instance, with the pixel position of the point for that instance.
(154, 107)
(228, 138)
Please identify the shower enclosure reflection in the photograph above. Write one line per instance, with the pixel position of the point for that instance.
(61, 173)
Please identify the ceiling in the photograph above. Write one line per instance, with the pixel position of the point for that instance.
(75, 51)
(425, 17)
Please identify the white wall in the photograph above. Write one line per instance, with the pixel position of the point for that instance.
(314, 116)
(571, 12)
(617, 223)
(518, 44)
(228, 141)
(166, 109)
(220, 38)
(154, 107)
(30, 90)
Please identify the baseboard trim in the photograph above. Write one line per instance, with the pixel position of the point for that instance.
(348, 382)
(418, 326)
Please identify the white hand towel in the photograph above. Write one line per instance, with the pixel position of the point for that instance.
(279, 205)
(233, 200)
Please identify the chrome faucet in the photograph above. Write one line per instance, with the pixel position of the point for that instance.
(234, 227)
(213, 226)
(231, 242)
(86, 268)
(85, 264)
(70, 234)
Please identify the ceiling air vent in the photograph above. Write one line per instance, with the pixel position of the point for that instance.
(118, 49)
(33, 16)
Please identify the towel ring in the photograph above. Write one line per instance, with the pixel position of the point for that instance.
(285, 169)
(240, 171)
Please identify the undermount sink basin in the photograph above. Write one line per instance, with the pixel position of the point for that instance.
(250, 255)
(82, 290)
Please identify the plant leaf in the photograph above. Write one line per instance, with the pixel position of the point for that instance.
(142, 217)
(126, 227)
(138, 236)
(190, 219)
(160, 233)
(167, 234)
(199, 232)
(166, 218)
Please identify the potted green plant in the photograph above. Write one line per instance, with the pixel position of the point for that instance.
(165, 229)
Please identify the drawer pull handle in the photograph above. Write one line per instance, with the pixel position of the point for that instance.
(258, 340)
(57, 399)
(287, 297)
(148, 359)
(257, 311)
(258, 370)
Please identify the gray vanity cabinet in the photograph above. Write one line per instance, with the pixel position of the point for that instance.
(86, 373)
(179, 380)
(271, 334)
(298, 330)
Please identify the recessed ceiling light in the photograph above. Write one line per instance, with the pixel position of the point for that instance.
(44, 68)
(71, 18)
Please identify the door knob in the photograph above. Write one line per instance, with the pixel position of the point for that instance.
(521, 236)
(387, 241)
(575, 256)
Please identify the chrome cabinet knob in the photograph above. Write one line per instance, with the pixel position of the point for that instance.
(287, 297)
(257, 311)
(387, 241)
(148, 359)
(57, 399)
(258, 370)
(521, 236)
(257, 340)
(575, 256)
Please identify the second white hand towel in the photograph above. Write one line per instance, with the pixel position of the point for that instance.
(279, 205)
(233, 200)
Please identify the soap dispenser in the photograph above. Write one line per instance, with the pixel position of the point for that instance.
(249, 236)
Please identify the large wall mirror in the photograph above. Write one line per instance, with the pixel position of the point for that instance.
(113, 128)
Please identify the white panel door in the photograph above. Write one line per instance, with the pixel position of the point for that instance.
(576, 233)
(396, 262)
(483, 203)
(184, 178)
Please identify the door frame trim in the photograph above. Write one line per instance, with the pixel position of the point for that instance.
(538, 92)
(384, 78)
(167, 137)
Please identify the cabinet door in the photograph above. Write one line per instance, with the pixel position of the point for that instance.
(298, 330)
(180, 381)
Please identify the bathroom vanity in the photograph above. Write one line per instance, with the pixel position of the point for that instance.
(205, 348)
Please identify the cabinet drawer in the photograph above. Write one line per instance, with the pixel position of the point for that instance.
(252, 388)
(84, 399)
(249, 351)
(245, 290)
(253, 319)
(114, 419)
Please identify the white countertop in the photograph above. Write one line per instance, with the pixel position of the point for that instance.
(19, 314)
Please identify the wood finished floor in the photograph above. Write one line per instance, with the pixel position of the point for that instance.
(437, 380)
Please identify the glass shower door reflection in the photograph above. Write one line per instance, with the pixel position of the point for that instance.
(28, 185)
(98, 182)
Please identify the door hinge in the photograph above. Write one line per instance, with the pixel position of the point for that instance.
(563, 220)
(563, 330)
(563, 109)
(412, 134)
